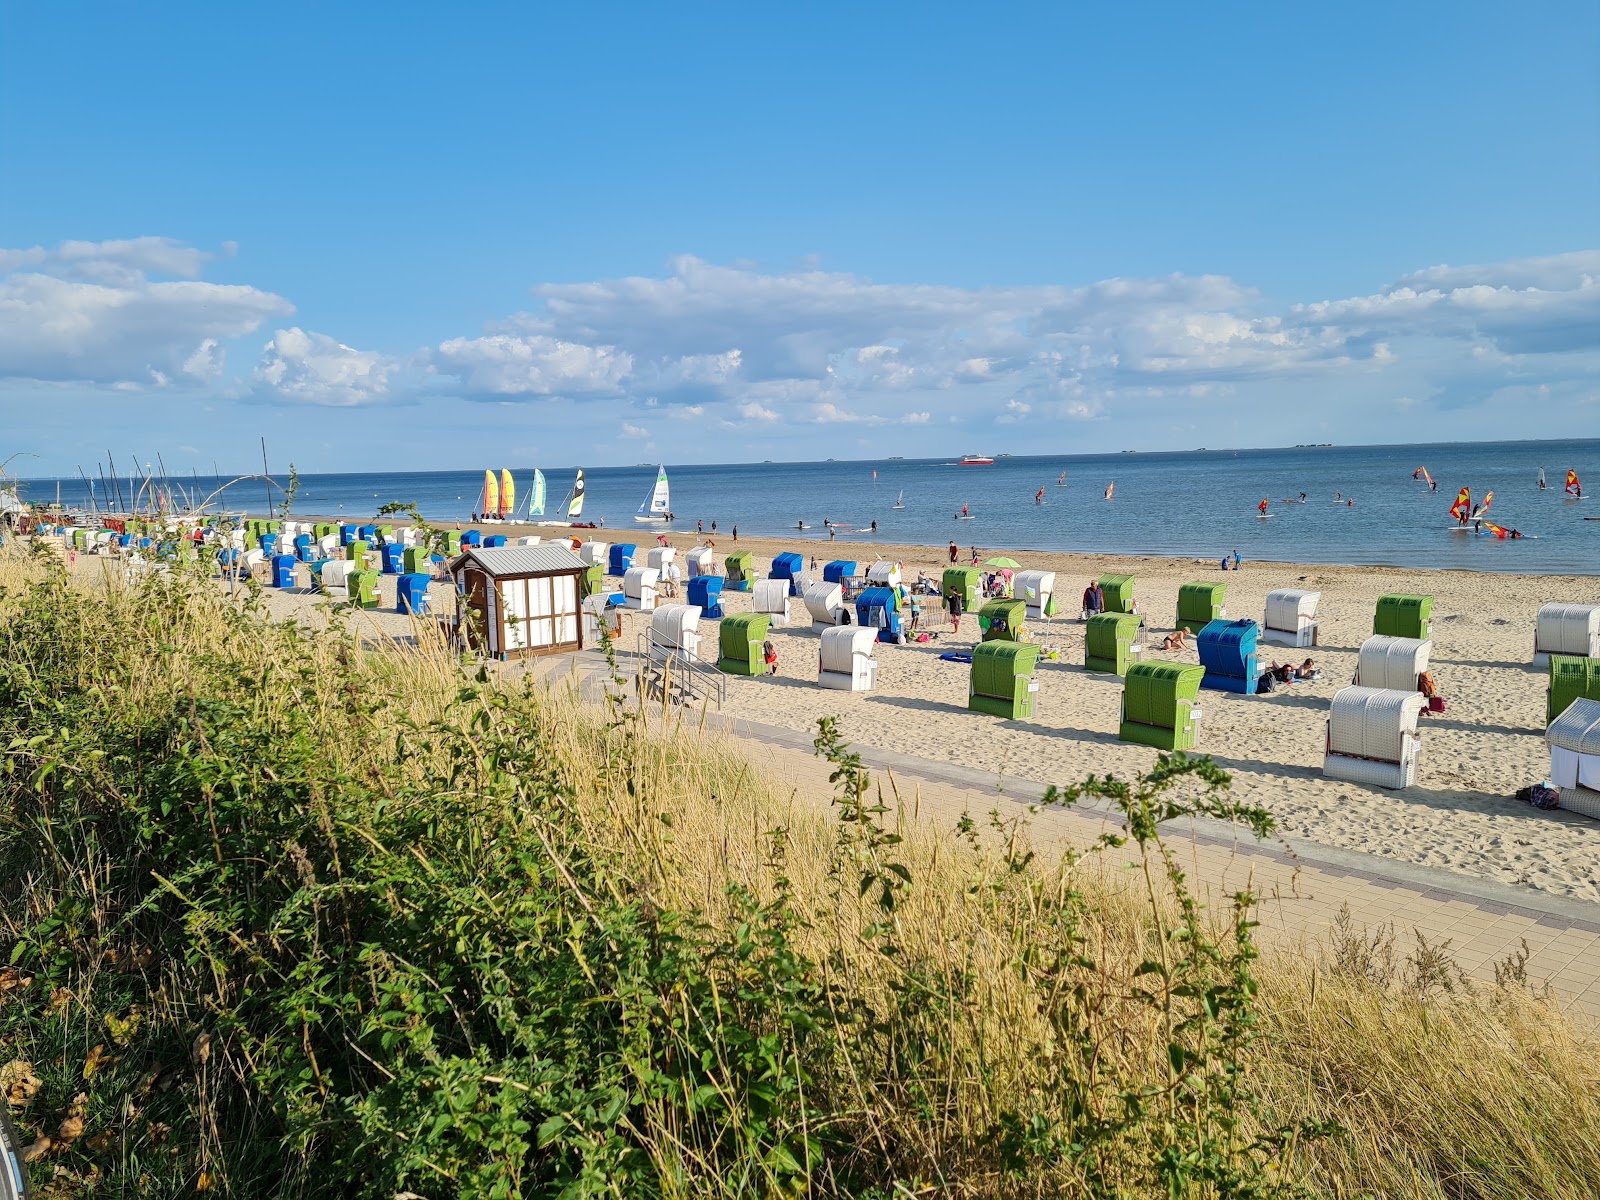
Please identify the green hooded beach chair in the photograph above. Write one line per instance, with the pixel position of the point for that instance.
(362, 588)
(1158, 705)
(736, 569)
(1199, 604)
(1118, 591)
(1003, 620)
(739, 640)
(1001, 682)
(966, 581)
(1108, 642)
(1571, 678)
(1403, 616)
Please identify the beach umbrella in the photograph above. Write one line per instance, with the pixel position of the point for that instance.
(1003, 562)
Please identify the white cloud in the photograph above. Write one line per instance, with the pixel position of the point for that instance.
(88, 312)
(630, 430)
(510, 364)
(301, 367)
(751, 411)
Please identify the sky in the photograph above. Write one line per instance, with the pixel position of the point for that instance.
(405, 236)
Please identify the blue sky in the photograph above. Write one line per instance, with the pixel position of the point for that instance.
(419, 235)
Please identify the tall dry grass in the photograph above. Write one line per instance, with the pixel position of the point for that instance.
(989, 1024)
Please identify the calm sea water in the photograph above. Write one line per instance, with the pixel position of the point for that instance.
(1200, 504)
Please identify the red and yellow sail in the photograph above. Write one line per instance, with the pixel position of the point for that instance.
(508, 494)
(491, 495)
(1574, 488)
(1463, 504)
(1488, 499)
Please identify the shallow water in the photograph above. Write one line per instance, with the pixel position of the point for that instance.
(1197, 504)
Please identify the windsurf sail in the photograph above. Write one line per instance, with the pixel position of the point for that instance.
(1499, 531)
(656, 503)
(1463, 504)
(491, 495)
(575, 509)
(1422, 474)
(900, 500)
(1110, 488)
(1488, 499)
(1542, 483)
(1062, 482)
(508, 494)
(536, 501)
(1574, 488)
(1038, 496)
(1262, 507)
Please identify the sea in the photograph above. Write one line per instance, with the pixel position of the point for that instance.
(1363, 505)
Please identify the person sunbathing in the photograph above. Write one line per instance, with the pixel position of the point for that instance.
(1306, 670)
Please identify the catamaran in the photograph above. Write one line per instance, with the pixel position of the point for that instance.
(490, 500)
(508, 495)
(536, 499)
(900, 501)
(656, 504)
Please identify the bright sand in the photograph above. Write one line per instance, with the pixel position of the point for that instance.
(1462, 814)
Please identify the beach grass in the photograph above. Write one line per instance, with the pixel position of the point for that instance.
(289, 914)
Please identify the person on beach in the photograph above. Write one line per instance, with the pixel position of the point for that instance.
(770, 653)
(833, 534)
(974, 555)
(1237, 561)
(1178, 639)
(699, 526)
(713, 528)
(1094, 600)
(1306, 670)
(735, 534)
(954, 552)
(954, 603)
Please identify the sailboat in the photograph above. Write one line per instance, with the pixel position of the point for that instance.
(900, 500)
(575, 509)
(1110, 489)
(656, 504)
(1062, 482)
(536, 500)
(490, 500)
(1574, 488)
(508, 495)
(1542, 483)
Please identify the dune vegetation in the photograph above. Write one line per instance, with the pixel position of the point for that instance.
(285, 914)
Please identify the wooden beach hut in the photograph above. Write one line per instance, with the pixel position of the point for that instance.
(518, 601)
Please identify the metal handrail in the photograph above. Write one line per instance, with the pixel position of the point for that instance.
(696, 678)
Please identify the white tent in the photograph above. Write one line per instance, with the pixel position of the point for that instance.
(1291, 617)
(661, 557)
(1034, 587)
(594, 552)
(1372, 737)
(1566, 629)
(845, 661)
(702, 560)
(884, 574)
(1393, 663)
(825, 603)
(639, 588)
(771, 596)
(675, 631)
(1574, 739)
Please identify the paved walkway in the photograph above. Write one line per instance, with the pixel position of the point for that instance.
(1305, 885)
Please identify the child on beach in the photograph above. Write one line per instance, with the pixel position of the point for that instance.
(770, 653)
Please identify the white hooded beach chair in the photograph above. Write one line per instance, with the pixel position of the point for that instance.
(702, 560)
(639, 588)
(884, 574)
(1035, 588)
(771, 596)
(529, 541)
(675, 632)
(1566, 629)
(1372, 737)
(1392, 663)
(1574, 739)
(594, 552)
(336, 574)
(1291, 618)
(825, 603)
(846, 659)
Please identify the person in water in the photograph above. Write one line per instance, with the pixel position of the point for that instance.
(874, 526)
(1302, 497)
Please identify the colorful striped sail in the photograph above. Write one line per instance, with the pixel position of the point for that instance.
(536, 504)
(491, 495)
(508, 494)
(575, 509)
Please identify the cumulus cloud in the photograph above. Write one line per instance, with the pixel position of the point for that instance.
(301, 367)
(90, 312)
(512, 364)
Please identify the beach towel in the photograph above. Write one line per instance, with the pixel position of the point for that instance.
(960, 658)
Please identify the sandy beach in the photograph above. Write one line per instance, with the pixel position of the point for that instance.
(1462, 815)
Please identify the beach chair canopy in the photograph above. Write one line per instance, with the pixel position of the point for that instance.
(1034, 587)
(638, 580)
(1118, 591)
(1392, 662)
(884, 573)
(825, 602)
(1367, 722)
(1574, 739)
(1199, 604)
(1572, 629)
(1226, 646)
(737, 563)
(1003, 619)
(839, 570)
(1105, 630)
(740, 635)
(677, 626)
(593, 552)
(1288, 608)
(1571, 678)
(621, 557)
(1400, 615)
(787, 565)
(996, 666)
(770, 596)
(1153, 691)
(705, 590)
(843, 645)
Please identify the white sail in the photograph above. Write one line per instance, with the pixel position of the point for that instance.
(536, 500)
(575, 509)
(900, 500)
(658, 501)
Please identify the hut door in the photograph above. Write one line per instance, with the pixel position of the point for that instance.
(564, 607)
(541, 628)
(515, 594)
(476, 609)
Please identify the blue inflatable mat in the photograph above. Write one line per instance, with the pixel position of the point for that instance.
(962, 658)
